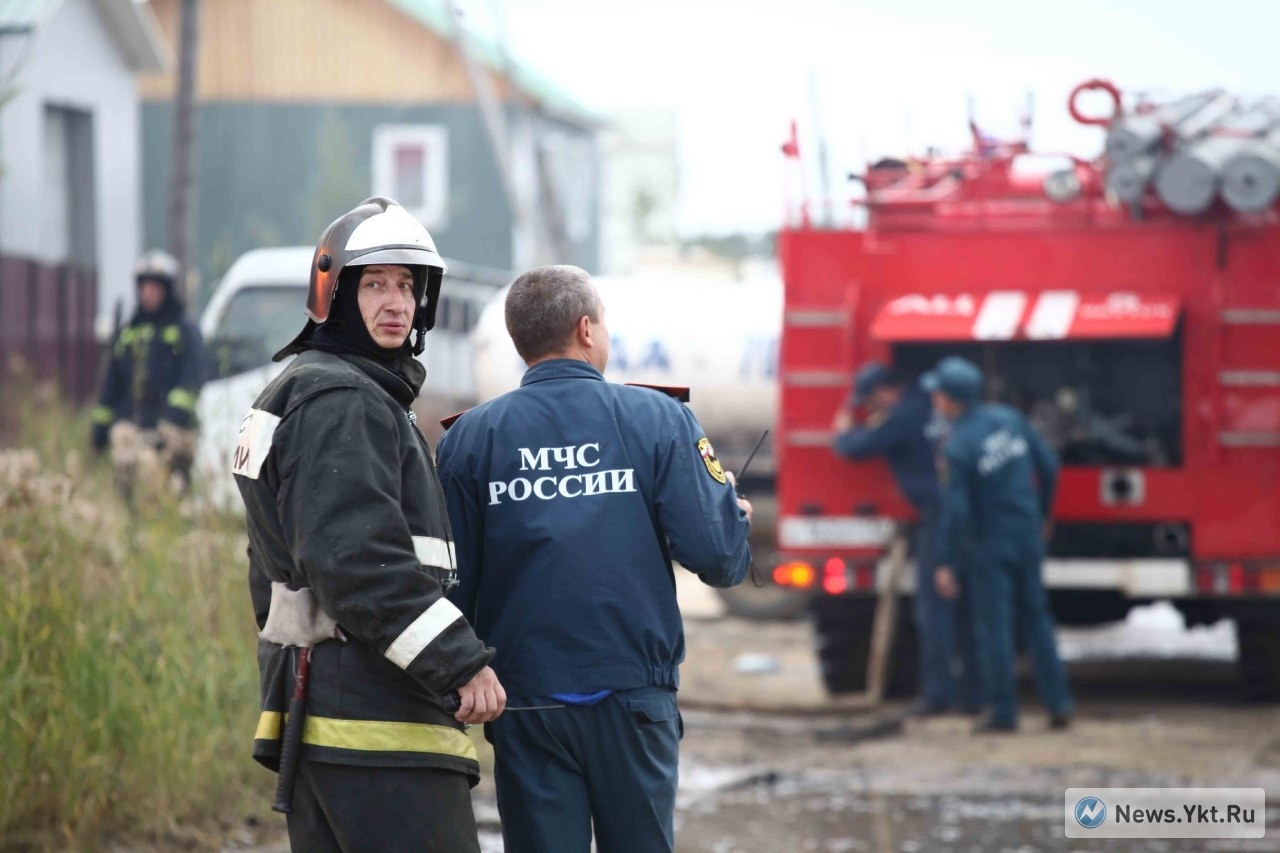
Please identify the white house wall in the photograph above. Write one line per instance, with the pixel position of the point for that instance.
(73, 62)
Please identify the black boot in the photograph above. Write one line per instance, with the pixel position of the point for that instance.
(989, 725)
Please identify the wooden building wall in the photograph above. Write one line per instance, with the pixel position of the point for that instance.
(315, 51)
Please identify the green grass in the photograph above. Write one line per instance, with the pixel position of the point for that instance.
(128, 683)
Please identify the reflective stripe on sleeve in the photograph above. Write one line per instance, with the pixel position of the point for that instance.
(181, 398)
(431, 624)
(102, 415)
(371, 735)
(435, 552)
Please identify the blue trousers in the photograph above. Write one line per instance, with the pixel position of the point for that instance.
(610, 766)
(1007, 593)
(940, 630)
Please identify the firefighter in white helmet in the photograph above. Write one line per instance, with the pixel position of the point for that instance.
(349, 538)
(147, 400)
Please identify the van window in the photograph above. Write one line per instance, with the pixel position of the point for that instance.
(257, 322)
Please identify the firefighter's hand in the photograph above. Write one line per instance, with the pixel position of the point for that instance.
(482, 698)
(743, 503)
(944, 580)
(842, 421)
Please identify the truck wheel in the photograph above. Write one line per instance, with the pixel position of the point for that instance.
(1259, 644)
(766, 603)
(842, 635)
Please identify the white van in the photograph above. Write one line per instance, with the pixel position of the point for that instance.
(257, 308)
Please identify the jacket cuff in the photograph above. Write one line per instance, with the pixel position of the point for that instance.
(470, 671)
(442, 659)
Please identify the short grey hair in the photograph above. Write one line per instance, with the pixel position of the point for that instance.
(545, 305)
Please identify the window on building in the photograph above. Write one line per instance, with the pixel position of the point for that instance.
(67, 222)
(411, 165)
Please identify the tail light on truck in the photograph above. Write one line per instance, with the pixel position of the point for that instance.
(837, 576)
(1238, 577)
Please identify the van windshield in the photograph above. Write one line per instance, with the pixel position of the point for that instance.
(257, 322)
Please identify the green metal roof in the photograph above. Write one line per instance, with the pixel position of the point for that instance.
(436, 15)
(23, 16)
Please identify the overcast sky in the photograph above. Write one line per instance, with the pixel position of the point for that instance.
(877, 77)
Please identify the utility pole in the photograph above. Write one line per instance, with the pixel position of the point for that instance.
(545, 228)
(183, 180)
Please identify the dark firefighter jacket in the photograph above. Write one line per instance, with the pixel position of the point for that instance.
(903, 440)
(999, 478)
(569, 498)
(341, 496)
(155, 373)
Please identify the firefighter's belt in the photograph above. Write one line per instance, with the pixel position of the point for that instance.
(295, 618)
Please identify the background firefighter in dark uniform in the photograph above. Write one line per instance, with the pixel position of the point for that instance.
(147, 402)
(900, 427)
(570, 498)
(350, 552)
(999, 480)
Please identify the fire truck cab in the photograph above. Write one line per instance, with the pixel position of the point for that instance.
(1141, 342)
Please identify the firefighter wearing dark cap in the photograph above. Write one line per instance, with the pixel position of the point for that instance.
(350, 555)
(900, 427)
(147, 401)
(999, 480)
(571, 497)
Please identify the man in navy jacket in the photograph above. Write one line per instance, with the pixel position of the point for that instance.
(1000, 479)
(570, 498)
(900, 427)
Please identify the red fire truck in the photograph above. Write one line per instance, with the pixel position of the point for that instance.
(1144, 343)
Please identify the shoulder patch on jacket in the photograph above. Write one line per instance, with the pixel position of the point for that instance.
(708, 454)
(253, 443)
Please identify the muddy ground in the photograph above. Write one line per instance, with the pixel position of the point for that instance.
(1158, 706)
(1146, 719)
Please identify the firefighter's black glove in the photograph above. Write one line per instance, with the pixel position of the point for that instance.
(99, 437)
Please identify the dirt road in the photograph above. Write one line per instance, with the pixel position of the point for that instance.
(1158, 706)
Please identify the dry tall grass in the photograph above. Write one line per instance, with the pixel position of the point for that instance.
(128, 688)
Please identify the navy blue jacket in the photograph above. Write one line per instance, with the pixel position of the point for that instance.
(569, 498)
(903, 440)
(155, 373)
(1000, 478)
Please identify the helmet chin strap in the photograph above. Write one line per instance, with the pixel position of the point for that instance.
(420, 279)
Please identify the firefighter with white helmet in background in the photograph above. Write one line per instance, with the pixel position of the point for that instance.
(350, 555)
(146, 404)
